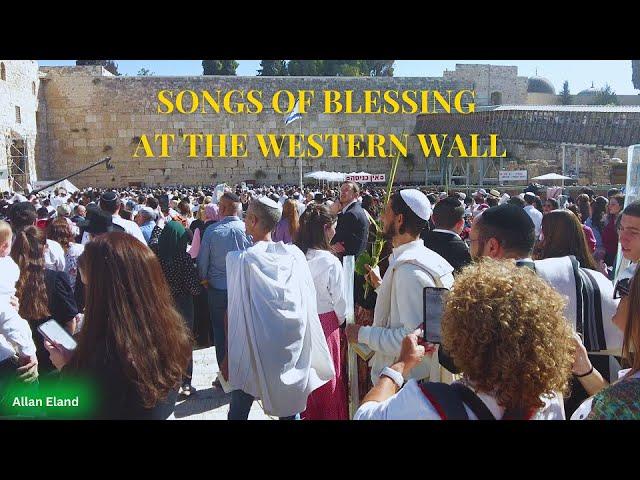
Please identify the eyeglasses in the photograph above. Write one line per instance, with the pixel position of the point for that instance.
(622, 288)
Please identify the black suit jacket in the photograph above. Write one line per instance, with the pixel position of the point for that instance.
(352, 229)
(448, 246)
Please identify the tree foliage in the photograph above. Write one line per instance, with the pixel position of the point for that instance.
(219, 67)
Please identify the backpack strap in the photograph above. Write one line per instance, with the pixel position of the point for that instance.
(472, 401)
(445, 400)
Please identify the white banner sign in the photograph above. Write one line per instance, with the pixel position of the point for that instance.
(512, 175)
(381, 177)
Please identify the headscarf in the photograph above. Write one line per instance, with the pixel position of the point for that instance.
(211, 212)
(173, 239)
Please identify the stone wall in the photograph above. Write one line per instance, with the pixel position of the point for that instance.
(90, 115)
(18, 89)
(489, 79)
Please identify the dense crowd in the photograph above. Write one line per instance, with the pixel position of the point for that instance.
(537, 321)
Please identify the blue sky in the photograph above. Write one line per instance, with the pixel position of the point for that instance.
(579, 73)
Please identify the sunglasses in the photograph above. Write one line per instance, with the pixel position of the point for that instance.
(622, 288)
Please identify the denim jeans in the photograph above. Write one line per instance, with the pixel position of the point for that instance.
(217, 310)
(241, 405)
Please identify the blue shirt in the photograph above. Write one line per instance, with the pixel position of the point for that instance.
(227, 235)
(596, 232)
(147, 228)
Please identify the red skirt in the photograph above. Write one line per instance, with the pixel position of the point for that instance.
(329, 402)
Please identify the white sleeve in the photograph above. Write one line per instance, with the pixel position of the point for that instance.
(17, 330)
(408, 404)
(137, 232)
(336, 291)
(408, 291)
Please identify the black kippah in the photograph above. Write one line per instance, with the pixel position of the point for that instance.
(507, 217)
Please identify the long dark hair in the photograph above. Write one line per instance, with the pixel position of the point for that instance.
(599, 212)
(563, 235)
(313, 222)
(28, 253)
(583, 201)
(130, 317)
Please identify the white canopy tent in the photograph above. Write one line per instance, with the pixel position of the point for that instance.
(551, 176)
(66, 184)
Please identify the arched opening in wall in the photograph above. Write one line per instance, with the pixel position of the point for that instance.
(33, 87)
(496, 98)
(3, 72)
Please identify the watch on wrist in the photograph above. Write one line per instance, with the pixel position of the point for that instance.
(394, 375)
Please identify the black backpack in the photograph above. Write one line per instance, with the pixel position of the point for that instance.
(449, 402)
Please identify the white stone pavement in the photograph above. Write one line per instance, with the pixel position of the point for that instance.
(207, 403)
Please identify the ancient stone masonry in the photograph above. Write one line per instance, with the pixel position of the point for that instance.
(19, 90)
(61, 119)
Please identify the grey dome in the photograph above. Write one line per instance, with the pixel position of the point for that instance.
(540, 85)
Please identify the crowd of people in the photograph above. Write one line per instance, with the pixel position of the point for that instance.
(532, 324)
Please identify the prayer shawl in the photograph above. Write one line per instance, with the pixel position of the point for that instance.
(277, 350)
(399, 306)
(559, 273)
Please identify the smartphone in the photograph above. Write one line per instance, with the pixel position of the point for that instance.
(433, 299)
(52, 331)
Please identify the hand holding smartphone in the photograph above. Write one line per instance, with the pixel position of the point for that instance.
(433, 307)
(55, 334)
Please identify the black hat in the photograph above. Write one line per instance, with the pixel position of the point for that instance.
(22, 214)
(109, 197)
(99, 221)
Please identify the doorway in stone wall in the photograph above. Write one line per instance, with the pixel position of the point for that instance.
(18, 164)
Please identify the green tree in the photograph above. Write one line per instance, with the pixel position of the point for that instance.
(145, 72)
(606, 96)
(635, 73)
(306, 68)
(565, 95)
(273, 68)
(219, 67)
(109, 65)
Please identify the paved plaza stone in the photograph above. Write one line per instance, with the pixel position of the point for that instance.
(207, 403)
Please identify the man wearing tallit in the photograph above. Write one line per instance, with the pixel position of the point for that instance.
(399, 306)
(277, 351)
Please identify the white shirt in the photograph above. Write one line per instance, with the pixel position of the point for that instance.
(411, 404)
(54, 256)
(10, 276)
(535, 216)
(328, 279)
(15, 332)
(130, 227)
